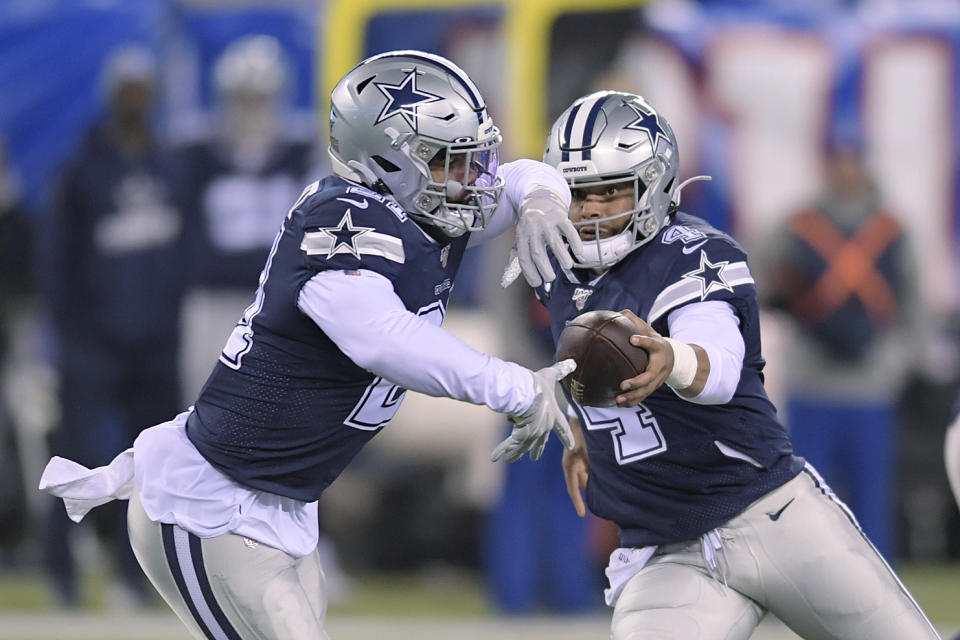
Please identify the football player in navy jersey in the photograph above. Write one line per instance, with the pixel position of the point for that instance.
(345, 319)
(719, 521)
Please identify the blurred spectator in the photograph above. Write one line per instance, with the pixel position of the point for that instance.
(241, 182)
(112, 277)
(15, 288)
(841, 270)
(537, 554)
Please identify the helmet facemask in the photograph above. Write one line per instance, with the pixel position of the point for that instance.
(643, 223)
(461, 189)
(610, 137)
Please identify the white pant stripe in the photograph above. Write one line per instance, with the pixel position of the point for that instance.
(828, 492)
(182, 543)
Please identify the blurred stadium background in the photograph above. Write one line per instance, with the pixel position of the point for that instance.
(752, 90)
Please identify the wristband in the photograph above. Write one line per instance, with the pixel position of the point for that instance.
(684, 365)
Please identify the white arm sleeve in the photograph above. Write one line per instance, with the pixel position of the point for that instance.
(715, 327)
(368, 322)
(520, 178)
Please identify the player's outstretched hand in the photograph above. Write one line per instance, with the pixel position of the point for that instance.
(636, 389)
(576, 469)
(532, 428)
(542, 222)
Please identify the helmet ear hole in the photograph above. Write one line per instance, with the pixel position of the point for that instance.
(385, 164)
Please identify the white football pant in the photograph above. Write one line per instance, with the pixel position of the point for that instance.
(229, 587)
(951, 455)
(797, 552)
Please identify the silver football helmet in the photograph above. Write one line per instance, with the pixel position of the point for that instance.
(606, 138)
(251, 81)
(252, 64)
(414, 125)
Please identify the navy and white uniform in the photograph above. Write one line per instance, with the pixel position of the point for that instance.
(671, 469)
(346, 317)
(286, 409)
(719, 521)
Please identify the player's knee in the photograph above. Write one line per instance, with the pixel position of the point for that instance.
(654, 607)
(289, 611)
(655, 587)
(655, 624)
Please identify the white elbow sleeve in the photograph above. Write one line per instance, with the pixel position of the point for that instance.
(714, 327)
(724, 376)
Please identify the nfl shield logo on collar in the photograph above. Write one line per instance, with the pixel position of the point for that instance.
(444, 255)
(580, 295)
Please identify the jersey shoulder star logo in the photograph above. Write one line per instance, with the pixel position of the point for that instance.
(649, 123)
(344, 236)
(403, 99)
(710, 275)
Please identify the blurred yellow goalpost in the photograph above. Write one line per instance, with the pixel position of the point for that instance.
(527, 26)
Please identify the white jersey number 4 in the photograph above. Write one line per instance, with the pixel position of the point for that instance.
(635, 432)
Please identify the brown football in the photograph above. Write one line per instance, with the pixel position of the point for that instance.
(599, 342)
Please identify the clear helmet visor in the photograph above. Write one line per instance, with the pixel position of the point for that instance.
(463, 189)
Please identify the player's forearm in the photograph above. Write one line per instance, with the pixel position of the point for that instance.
(711, 330)
(368, 322)
(521, 177)
(420, 356)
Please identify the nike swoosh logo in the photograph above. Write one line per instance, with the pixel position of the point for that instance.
(776, 514)
(359, 204)
(689, 250)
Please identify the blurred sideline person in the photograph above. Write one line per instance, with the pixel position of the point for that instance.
(536, 552)
(223, 498)
(719, 521)
(240, 183)
(842, 271)
(112, 276)
(16, 295)
(238, 186)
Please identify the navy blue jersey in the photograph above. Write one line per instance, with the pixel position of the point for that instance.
(669, 469)
(285, 410)
(113, 250)
(234, 212)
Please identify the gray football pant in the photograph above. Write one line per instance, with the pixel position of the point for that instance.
(796, 552)
(229, 587)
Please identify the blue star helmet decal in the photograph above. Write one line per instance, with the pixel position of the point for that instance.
(710, 275)
(649, 123)
(344, 236)
(403, 99)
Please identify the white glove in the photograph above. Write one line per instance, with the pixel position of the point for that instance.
(543, 222)
(532, 428)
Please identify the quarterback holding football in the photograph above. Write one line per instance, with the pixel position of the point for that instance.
(719, 521)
